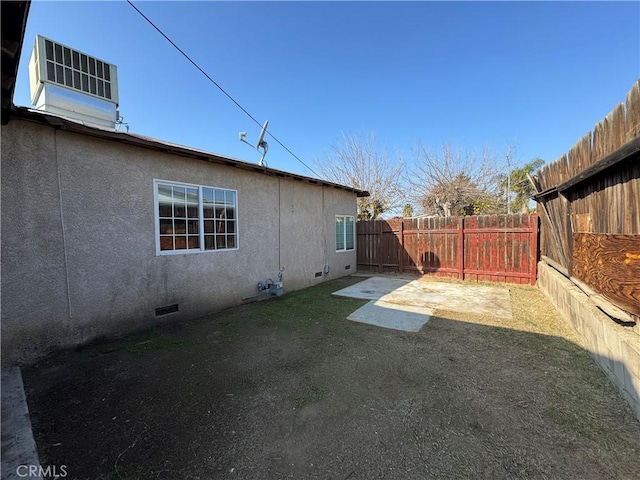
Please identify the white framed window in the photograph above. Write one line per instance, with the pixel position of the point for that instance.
(194, 218)
(345, 233)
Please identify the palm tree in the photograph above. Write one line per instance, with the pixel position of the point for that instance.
(519, 184)
(407, 211)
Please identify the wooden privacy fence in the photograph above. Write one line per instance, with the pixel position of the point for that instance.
(493, 248)
(589, 202)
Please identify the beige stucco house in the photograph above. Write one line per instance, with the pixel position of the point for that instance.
(105, 232)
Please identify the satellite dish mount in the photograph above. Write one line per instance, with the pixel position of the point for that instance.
(260, 144)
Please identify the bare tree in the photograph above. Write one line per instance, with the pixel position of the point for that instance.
(454, 182)
(360, 163)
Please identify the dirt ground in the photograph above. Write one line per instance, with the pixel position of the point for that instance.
(288, 388)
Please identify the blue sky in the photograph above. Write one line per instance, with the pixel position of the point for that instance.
(536, 74)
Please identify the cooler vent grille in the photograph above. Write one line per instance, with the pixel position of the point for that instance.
(77, 70)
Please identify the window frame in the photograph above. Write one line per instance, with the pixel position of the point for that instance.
(344, 232)
(201, 233)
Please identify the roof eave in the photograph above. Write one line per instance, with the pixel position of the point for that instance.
(166, 147)
(14, 24)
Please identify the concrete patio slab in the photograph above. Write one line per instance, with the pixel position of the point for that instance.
(407, 304)
(392, 315)
(373, 288)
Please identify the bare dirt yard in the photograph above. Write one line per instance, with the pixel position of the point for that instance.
(288, 388)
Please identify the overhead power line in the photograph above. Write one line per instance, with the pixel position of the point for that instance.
(217, 85)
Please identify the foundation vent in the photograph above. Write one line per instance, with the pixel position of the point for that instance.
(161, 311)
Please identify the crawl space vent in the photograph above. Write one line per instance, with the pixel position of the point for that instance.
(166, 310)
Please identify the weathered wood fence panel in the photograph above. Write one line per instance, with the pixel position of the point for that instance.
(592, 191)
(497, 248)
(430, 245)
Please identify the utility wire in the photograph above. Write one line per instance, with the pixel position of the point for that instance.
(217, 85)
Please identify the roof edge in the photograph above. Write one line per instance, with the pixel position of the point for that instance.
(65, 124)
(14, 24)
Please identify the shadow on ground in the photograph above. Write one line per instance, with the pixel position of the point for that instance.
(289, 389)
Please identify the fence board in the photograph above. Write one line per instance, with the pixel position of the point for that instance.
(608, 134)
(579, 157)
(632, 120)
(485, 248)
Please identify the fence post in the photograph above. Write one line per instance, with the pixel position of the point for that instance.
(461, 248)
(533, 244)
(401, 252)
(380, 240)
(569, 235)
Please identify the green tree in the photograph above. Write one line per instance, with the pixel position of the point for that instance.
(369, 209)
(407, 210)
(518, 183)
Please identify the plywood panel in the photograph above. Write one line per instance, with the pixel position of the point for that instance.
(610, 264)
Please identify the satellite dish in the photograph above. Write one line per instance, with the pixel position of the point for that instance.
(262, 133)
(261, 142)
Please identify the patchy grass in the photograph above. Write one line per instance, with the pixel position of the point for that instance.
(311, 395)
(309, 308)
(299, 311)
(581, 423)
(287, 388)
(553, 350)
(143, 344)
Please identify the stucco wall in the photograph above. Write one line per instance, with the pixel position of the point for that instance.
(616, 350)
(78, 239)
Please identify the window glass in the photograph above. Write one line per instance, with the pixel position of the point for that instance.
(194, 242)
(339, 233)
(193, 218)
(207, 195)
(348, 232)
(192, 202)
(345, 233)
(179, 202)
(180, 242)
(180, 226)
(164, 201)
